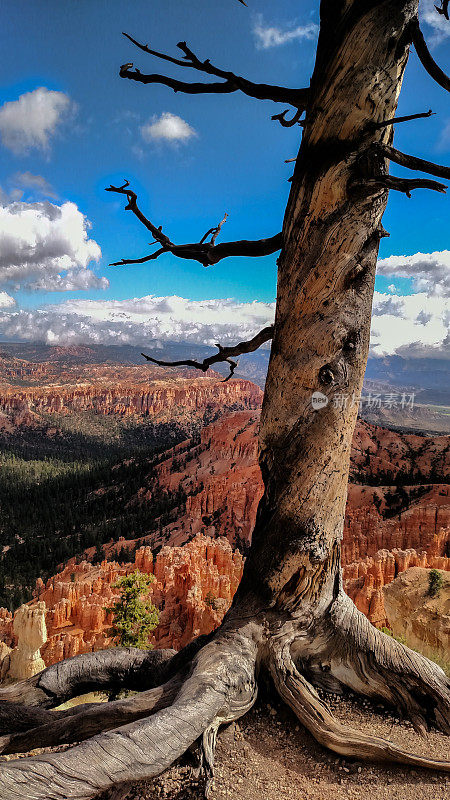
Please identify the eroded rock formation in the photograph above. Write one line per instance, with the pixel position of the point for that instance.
(388, 529)
(423, 621)
(30, 634)
(194, 587)
(171, 399)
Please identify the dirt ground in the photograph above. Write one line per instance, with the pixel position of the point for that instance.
(269, 755)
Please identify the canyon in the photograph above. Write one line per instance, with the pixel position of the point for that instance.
(193, 588)
(139, 392)
(398, 517)
(185, 497)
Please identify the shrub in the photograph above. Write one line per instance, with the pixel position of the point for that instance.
(211, 601)
(435, 582)
(134, 615)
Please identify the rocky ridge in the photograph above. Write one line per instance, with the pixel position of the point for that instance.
(163, 400)
(387, 527)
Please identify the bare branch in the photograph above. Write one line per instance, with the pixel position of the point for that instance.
(131, 196)
(291, 122)
(231, 82)
(218, 228)
(206, 253)
(394, 120)
(224, 354)
(441, 10)
(151, 257)
(412, 162)
(405, 185)
(426, 58)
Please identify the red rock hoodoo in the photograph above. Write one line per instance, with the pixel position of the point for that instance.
(193, 589)
(388, 528)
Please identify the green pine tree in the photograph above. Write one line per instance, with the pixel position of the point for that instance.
(134, 614)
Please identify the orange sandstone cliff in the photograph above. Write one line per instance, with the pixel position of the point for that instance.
(144, 394)
(388, 528)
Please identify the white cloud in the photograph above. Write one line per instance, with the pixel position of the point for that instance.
(36, 183)
(44, 246)
(411, 325)
(387, 304)
(392, 288)
(437, 22)
(6, 301)
(273, 36)
(168, 127)
(430, 272)
(139, 320)
(32, 120)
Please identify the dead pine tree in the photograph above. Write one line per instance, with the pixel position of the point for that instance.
(290, 617)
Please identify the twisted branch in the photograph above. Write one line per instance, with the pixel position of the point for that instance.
(231, 82)
(206, 253)
(289, 123)
(425, 56)
(224, 354)
(412, 162)
(443, 9)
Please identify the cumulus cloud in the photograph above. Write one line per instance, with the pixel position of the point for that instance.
(430, 272)
(273, 36)
(167, 128)
(6, 301)
(36, 183)
(437, 22)
(139, 320)
(412, 325)
(416, 325)
(387, 304)
(44, 246)
(33, 119)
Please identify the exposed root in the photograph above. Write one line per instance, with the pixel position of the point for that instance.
(314, 714)
(220, 687)
(208, 743)
(114, 669)
(140, 737)
(350, 651)
(15, 717)
(84, 721)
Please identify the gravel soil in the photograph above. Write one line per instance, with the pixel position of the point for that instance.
(269, 755)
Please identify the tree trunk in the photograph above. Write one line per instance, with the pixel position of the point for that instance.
(290, 614)
(326, 273)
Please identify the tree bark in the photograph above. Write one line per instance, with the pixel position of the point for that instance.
(326, 273)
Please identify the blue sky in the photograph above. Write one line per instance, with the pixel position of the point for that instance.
(233, 161)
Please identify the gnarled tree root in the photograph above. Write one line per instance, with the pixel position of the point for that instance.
(314, 714)
(344, 649)
(108, 670)
(219, 685)
(83, 721)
